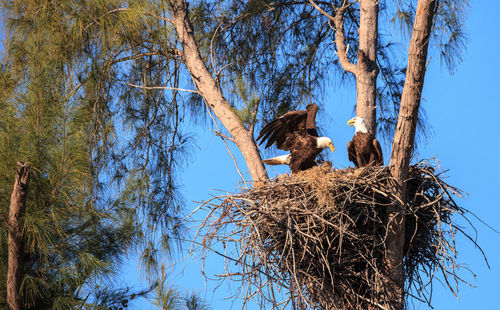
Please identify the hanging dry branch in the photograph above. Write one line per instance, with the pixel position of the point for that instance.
(317, 239)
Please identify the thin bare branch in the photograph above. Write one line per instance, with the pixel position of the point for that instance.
(96, 20)
(223, 137)
(159, 87)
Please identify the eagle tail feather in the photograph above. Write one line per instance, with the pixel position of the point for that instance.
(279, 160)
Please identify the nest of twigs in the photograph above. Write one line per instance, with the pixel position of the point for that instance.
(317, 239)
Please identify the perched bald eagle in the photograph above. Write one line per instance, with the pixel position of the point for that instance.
(363, 150)
(296, 132)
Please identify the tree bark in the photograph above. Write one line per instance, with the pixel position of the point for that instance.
(366, 70)
(15, 222)
(366, 75)
(402, 146)
(211, 92)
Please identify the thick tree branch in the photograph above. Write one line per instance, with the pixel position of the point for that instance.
(404, 138)
(366, 70)
(15, 273)
(211, 92)
(366, 77)
(338, 21)
(317, 7)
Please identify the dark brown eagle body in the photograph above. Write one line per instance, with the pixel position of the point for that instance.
(364, 150)
(303, 151)
(296, 132)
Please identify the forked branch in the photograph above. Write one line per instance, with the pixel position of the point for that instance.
(338, 21)
(340, 41)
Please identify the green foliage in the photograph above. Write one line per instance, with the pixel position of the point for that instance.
(448, 37)
(105, 149)
(110, 298)
(274, 47)
(74, 235)
(448, 40)
(170, 298)
(72, 238)
(249, 100)
(89, 94)
(286, 52)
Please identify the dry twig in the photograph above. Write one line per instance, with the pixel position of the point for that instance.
(317, 239)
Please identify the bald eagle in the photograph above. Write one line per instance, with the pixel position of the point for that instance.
(296, 132)
(363, 150)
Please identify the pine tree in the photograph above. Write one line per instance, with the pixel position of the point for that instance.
(74, 237)
(139, 69)
(105, 148)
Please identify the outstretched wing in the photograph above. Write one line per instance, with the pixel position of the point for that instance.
(281, 128)
(311, 110)
(351, 153)
(378, 150)
(288, 126)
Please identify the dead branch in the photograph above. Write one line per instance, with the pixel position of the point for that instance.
(316, 239)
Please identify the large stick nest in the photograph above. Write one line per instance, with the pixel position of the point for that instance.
(317, 239)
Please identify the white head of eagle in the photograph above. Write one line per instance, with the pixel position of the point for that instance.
(324, 142)
(359, 124)
(363, 150)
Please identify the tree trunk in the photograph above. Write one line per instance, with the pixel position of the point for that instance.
(211, 92)
(16, 258)
(367, 71)
(402, 146)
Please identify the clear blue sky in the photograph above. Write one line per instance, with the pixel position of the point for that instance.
(464, 111)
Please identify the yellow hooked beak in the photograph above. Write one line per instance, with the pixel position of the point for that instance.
(332, 148)
(351, 122)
